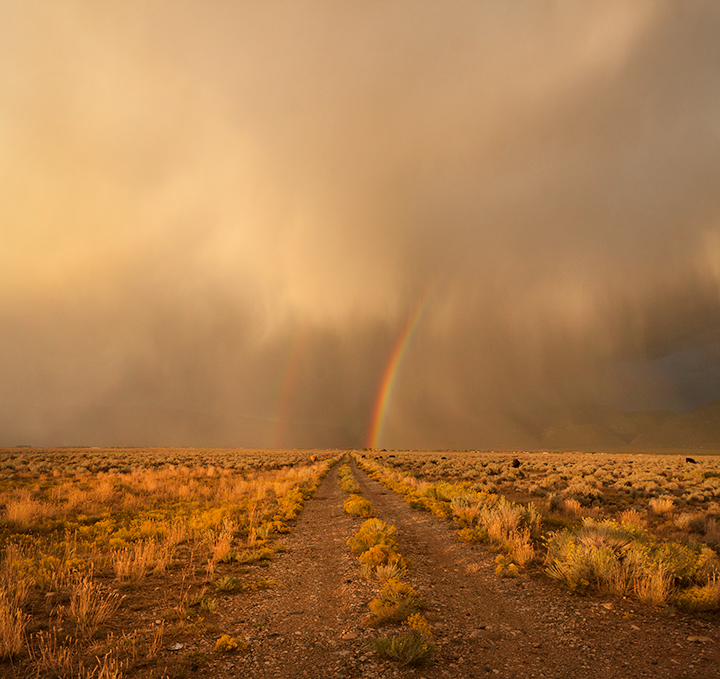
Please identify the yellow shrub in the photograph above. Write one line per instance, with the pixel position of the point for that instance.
(357, 505)
(396, 602)
(419, 624)
(381, 555)
(505, 567)
(228, 644)
(697, 599)
(372, 532)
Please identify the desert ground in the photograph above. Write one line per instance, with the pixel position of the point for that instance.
(180, 563)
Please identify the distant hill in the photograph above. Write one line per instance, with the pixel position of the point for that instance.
(589, 425)
(698, 428)
(581, 437)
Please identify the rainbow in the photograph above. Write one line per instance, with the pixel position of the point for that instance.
(288, 385)
(391, 372)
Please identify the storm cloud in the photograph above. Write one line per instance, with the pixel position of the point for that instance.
(217, 218)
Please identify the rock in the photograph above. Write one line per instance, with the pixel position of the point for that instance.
(349, 635)
(608, 606)
(699, 640)
(175, 647)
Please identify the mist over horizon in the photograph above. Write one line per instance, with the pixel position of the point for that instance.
(217, 219)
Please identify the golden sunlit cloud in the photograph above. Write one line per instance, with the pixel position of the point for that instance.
(217, 218)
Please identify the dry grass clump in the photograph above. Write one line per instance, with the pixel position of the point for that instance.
(12, 626)
(222, 543)
(655, 585)
(661, 505)
(634, 517)
(26, 512)
(683, 521)
(505, 519)
(108, 667)
(134, 563)
(572, 506)
(90, 606)
(14, 584)
(520, 547)
(51, 657)
(466, 511)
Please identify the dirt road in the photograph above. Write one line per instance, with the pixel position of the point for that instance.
(311, 623)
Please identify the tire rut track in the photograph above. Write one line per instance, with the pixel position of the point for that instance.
(315, 603)
(480, 631)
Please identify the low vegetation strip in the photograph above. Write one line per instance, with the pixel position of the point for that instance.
(347, 480)
(619, 558)
(356, 504)
(85, 552)
(396, 603)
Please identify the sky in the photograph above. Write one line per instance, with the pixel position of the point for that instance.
(404, 224)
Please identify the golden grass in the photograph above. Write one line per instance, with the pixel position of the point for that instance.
(12, 626)
(90, 606)
(68, 529)
(51, 657)
(661, 505)
(135, 562)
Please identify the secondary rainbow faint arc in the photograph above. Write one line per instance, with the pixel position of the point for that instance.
(391, 372)
(291, 373)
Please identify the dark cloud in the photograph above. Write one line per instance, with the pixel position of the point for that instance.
(217, 219)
